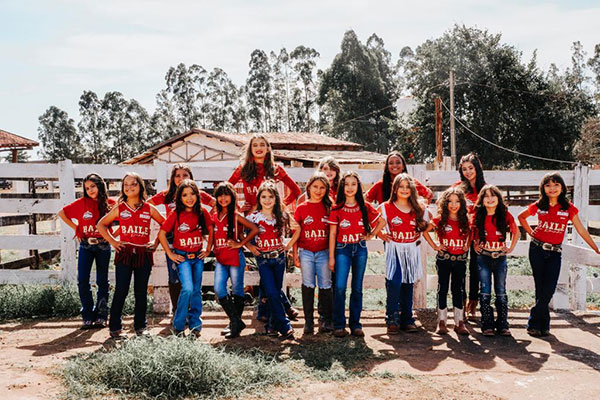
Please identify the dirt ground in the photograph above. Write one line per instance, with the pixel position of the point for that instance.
(425, 365)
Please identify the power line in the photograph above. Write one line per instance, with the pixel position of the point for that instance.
(501, 147)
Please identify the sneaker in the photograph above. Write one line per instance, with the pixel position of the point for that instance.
(142, 332)
(358, 332)
(410, 328)
(86, 325)
(226, 330)
(195, 333)
(118, 335)
(393, 329)
(100, 323)
(534, 332)
(340, 333)
(272, 332)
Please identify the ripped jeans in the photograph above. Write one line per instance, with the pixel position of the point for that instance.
(497, 268)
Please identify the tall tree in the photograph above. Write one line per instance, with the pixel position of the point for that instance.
(164, 122)
(304, 59)
(220, 100)
(258, 87)
(187, 90)
(59, 137)
(594, 64)
(280, 78)
(91, 129)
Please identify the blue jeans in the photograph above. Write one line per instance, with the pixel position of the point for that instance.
(189, 305)
(350, 256)
(445, 270)
(399, 300)
(224, 272)
(87, 254)
(271, 272)
(315, 264)
(262, 309)
(497, 268)
(123, 275)
(546, 269)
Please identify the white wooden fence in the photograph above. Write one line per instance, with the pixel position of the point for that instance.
(571, 292)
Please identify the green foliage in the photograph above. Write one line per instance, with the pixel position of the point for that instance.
(172, 368)
(59, 137)
(44, 301)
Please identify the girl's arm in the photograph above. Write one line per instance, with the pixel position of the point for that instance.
(67, 221)
(103, 225)
(234, 244)
(585, 235)
(429, 240)
(289, 182)
(332, 236)
(295, 256)
(514, 237)
(293, 240)
(209, 243)
(380, 224)
(162, 237)
(523, 215)
(157, 216)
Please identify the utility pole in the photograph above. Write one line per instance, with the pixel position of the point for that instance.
(452, 132)
(439, 152)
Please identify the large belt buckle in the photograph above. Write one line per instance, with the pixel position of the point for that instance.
(190, 256)
(273, 254)
(496, 254)
(93, 240)
(548, 247)
(453, 258)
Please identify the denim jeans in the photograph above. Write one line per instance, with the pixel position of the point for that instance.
(262, 309)
(445, 270)
(87, 254)
(399, 300)
(315, 264)
(271, 272)
(123, 275)
(350, 256)
(224, 272)
(473, 276)
(497, 268)
(546, 269)
(189, 305)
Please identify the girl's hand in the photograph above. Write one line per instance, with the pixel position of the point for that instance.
(76, 238)
(478, 248)
(331, 264)
(255, 251)
(203, 254)
(117, 245)
(505, 250)
(297, 261)
(465, 248)
(176, 258)
(440, 248)
(386, 237)
(233, 244)
(152, 246)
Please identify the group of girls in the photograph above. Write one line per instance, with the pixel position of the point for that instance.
(329, 230)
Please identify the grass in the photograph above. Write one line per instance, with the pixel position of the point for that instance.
(45, 301)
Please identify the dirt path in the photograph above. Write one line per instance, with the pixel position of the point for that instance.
(425, 365)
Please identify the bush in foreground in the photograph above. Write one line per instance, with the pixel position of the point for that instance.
(172, 368)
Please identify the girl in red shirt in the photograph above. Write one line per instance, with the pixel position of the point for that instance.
(179, 173)
(453, 231)
(228, 242)
(133, 251)
(257, 165)
(352, 223)
(331, 168)
(492, 223)
(311, 253)
(471, 182)
(273, 223)
(87, 210)
(554, 212)
(189, 223)
(395, 164)
(405, 219)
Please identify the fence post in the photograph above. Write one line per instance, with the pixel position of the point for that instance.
(66, 182)
(581, 199)
(162, 300)
(420, 292)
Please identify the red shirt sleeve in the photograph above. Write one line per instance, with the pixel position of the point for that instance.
(289, 182)
(236, 176)
(158, 198)
(532, 208)
(435, 221)
(372, 213)
(169, 223)
(74, 210)
(375, 193)
(573, 211)
(333, 217)
(206, 198)
(423, 190)
(509, 219)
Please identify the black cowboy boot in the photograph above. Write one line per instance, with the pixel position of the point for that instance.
(308, 303)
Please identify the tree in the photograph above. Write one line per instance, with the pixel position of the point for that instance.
(90, 128)
(594, 64)
(587, 148)
(22, 156)
(304, 59)
(186, 86)
(220, 100)
(164, 122)
(496, 96)
(280, 78)
(59, 137)
(354, 103)
(258, 87)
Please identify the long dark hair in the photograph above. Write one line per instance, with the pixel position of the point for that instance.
(334, 165)
(227, 189)
(102, 198)
(170, 196)
(341, 198)
(319, 176)
(544, 202)
(386, 189)
(282, 219)
(443, 213)
(479, 178)
(197, 208)
(140, 181)
(413, 200)
(499, 217)
(249, 165)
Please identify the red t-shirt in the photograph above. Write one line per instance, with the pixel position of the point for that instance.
(134, 225)
(376, 191)
(470, 197)
(187, 233)
(350, 223)
(85, 211)
(268, 238)
(251, 188)
(312, 218)
(493, 239)
(552, 224)
(401, 226)
(159, 198)
(451, 236)
(224, 254)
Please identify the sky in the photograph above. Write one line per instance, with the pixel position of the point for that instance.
(51, 51)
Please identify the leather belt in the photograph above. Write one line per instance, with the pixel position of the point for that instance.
(493, 254)
(93, 241)
(444, 255)
(547, 246)
(271, 254)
